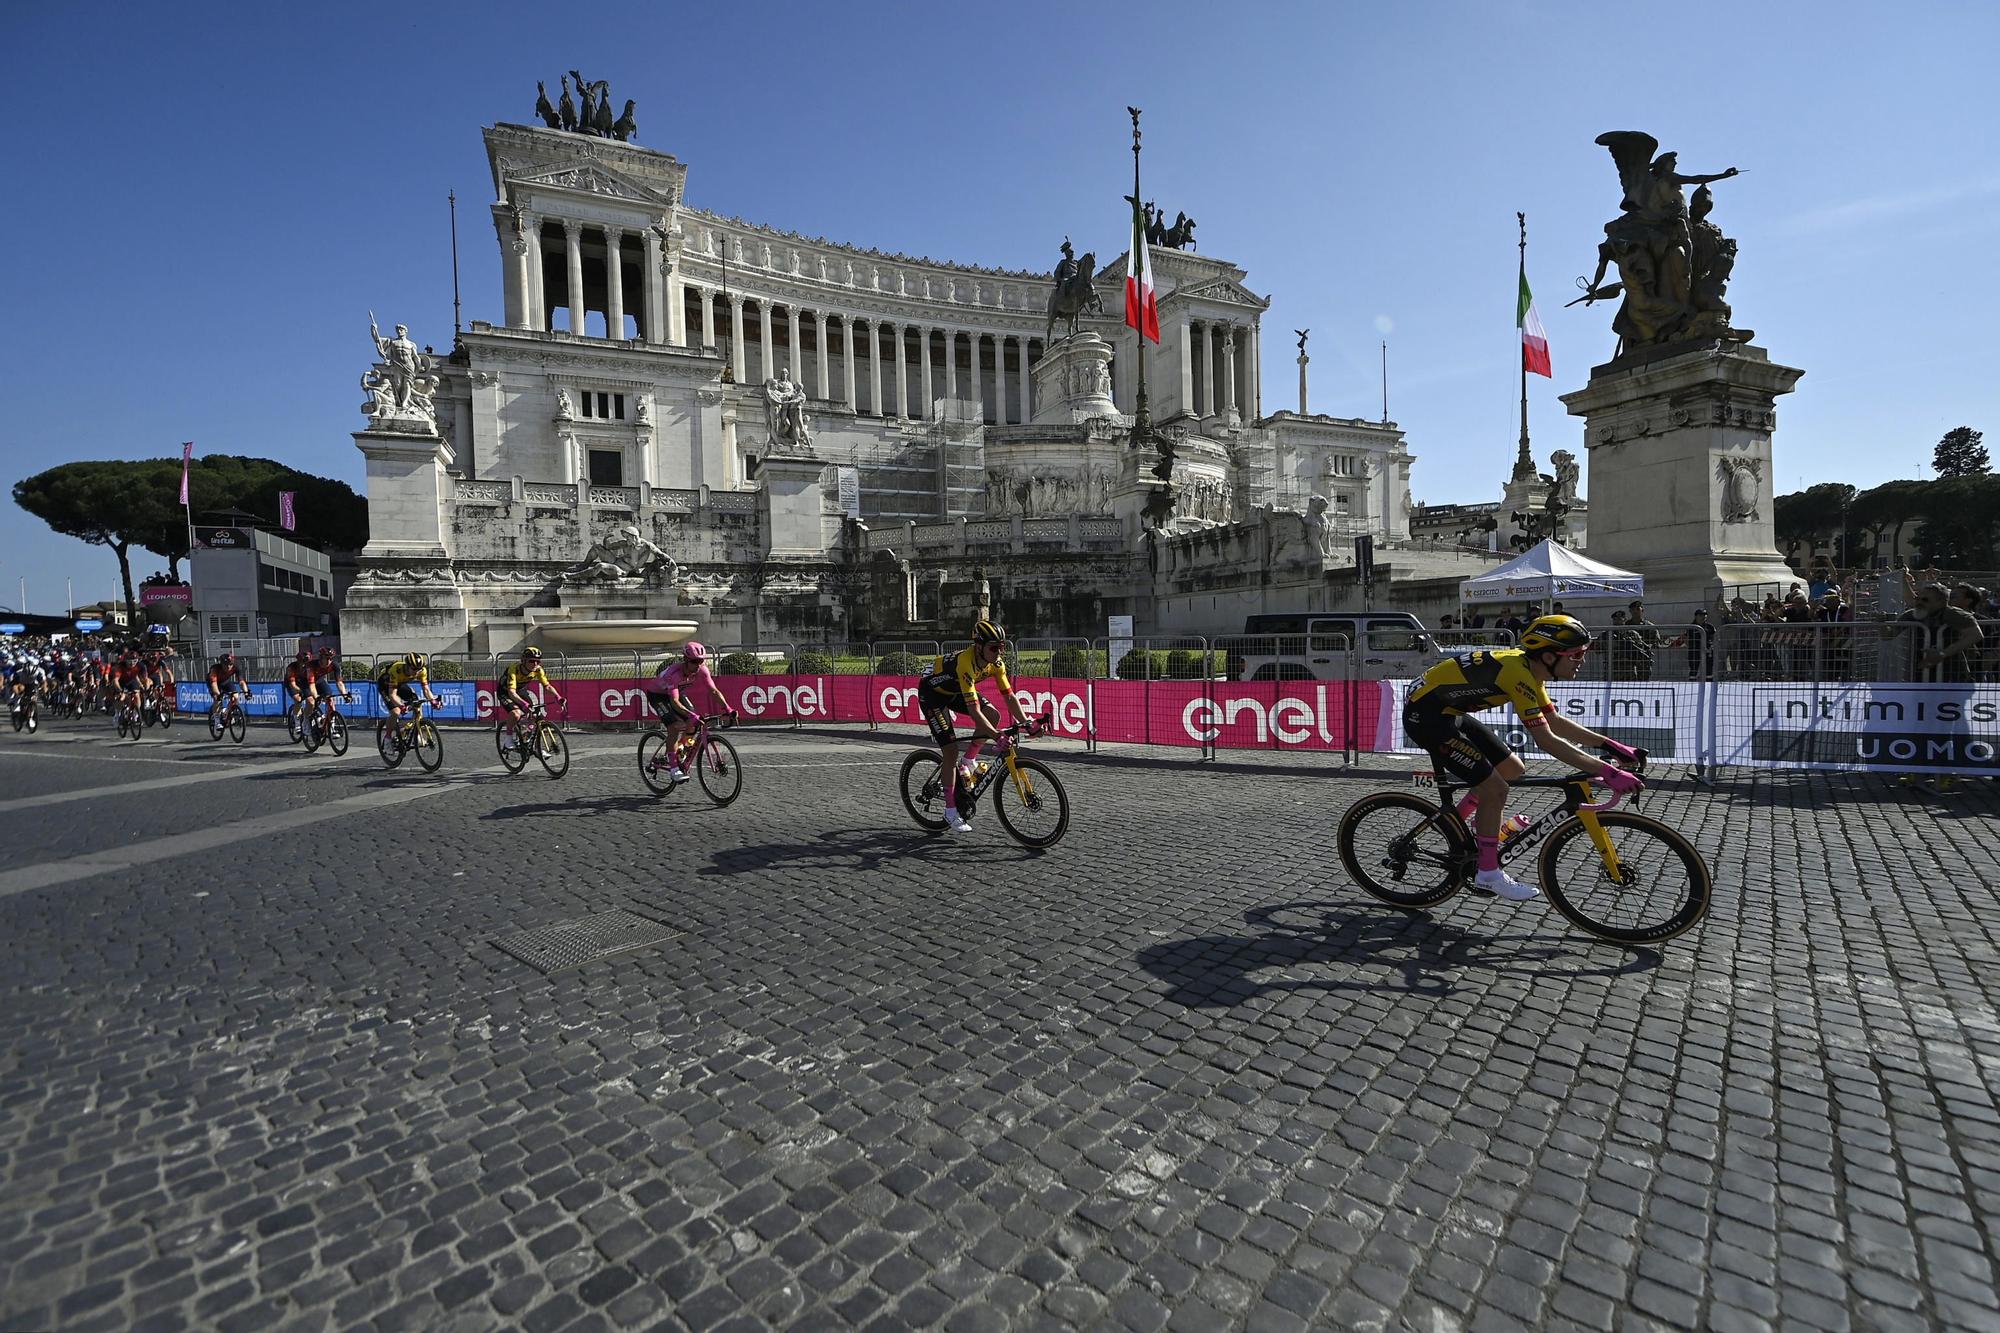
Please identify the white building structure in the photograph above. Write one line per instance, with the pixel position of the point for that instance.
(628, 393)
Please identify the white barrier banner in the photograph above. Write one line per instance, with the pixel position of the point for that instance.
(1890, 727)
(1663, 718)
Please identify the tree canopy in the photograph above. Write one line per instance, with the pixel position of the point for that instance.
(1960, 454)
(124, 503)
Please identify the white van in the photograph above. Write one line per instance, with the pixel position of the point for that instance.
(1370, 645)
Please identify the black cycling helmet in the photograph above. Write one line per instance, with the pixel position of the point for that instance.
(986, 632)
(1557, 634)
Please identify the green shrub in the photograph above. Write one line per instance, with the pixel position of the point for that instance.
(739, 664)
(902, 664)
(813, 662)
(444, 668)
(357, 668)
(1138, 664)
(1069, 662)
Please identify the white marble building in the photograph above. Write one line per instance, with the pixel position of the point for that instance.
(626, 387)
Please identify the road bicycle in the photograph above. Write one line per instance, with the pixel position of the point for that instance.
(707, 757)
(296, 715)
(532, 734)
(24, 712)
(226, 715)
(1032, 805)
(1623, 877)
(328, 728)
(396, 737)
(156, 706)
(129, 718)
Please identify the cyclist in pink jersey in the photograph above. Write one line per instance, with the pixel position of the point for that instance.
(667, 700)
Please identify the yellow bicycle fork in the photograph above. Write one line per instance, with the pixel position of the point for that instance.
(1602, 841)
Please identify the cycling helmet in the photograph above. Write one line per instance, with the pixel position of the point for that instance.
(1559, 634)
(326, 655)
(305, 654)
(695, 651)
(228, 659)
(415, 661)
(531, 653)
(986, 632)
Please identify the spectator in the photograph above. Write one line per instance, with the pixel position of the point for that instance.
(1973, 601)
(1836, 646)
(1954, 635)
(1700, 643)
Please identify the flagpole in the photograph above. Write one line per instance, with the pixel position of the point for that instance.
(1524, 462)
(1142, 417)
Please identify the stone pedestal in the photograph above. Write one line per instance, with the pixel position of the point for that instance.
(406, 595)
(1073, 381)
(1680, 479)
(793, 505)
(406, 490)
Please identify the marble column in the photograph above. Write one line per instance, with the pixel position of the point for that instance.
(1027, 384)
(1230, 411)
(798, 366)
(707, 299)
(766, 336)
(657, 315)
(1198, 359)
(1186, 397)
(951, 365)
(573, 248)
(978, 390)
(1253, 390)
(538, 304)
(819, 337)
(896, 332)
(614, 284)
(924, 361)
(514, 238)
(999, 379)
(874, 368)
(847, 323)
(738, 317)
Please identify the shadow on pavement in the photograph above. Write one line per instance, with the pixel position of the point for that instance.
(1213, 971)
(863, 849)
(587, 805)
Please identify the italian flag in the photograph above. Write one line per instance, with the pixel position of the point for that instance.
(1142, 305)
(1534, 340)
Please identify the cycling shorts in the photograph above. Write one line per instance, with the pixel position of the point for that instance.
(1459, 744)
(937, 702)
(670, 709)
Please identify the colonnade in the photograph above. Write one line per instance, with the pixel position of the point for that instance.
(528, 286)
(1219, 375)
(882, 367)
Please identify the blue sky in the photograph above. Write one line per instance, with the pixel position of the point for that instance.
(205, 200)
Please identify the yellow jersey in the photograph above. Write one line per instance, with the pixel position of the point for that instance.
(1483, 679)
(401, 673)
(515, 677)
(958, 674)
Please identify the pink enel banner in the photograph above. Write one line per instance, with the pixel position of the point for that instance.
(1234, 715)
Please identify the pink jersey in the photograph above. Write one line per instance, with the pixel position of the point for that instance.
(678, 675)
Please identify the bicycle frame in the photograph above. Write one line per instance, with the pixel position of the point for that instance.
(1576, 787)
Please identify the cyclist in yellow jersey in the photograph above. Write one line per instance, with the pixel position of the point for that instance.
(953, 687)
(401, 682)
(1437, 716)
(517, 677)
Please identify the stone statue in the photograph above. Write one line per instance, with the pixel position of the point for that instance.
(785, 414)
(1742, 482)
(1302, 339)
(643, 409)
(586, 119)
(405, 380)
(566, 109)
(624, 553)
(543, 109)
(1319, 532)
(999, 493)
(1156, 227)
(625, 128)
(1714, 261)
(1180, 236)
(1653, 244)
(1073, 294)
(1567, 474)
(565, 409)
(602, 122)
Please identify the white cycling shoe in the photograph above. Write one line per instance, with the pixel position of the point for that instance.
(1502, 885)
(956, 822)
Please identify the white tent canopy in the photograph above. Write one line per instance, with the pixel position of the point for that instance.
(1551, 571)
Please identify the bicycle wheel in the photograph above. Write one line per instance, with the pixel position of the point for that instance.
(552, 750)
(1662, 889)
(309, 737)
(654, 761)
(720, 771)
(1035, 813)
(922, 786)
(238, 724)
(429, 746)
(336, 735)
(514, 759)
(295, 724)
(388, 744)
(1391, 850)
(20, 717)
(168, 707)
(216, 723)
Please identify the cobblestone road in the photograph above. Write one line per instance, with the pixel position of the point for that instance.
(262, 1065)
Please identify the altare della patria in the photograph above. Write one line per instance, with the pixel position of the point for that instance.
(686, 423)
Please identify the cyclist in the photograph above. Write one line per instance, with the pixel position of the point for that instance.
(327, 682)
(129, 675)
(225, 677)
(515, 678)
(953, 687)
(1438, 716)
(297, 681)
(30, 679)
(401, 682)
(666, 698)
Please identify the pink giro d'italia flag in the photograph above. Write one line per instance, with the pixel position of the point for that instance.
(1142, 306)
(187, 456)
(287, 516)
(1534, 340)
